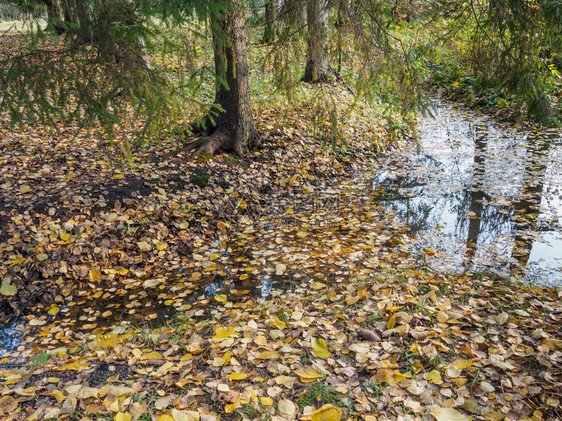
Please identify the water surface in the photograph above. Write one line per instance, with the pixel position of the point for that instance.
(484, 194)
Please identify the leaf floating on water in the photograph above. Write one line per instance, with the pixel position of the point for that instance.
(149, 283)
(54, 310)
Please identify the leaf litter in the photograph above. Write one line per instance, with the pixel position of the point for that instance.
(288, 295)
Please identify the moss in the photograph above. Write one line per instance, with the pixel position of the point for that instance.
(199, 178)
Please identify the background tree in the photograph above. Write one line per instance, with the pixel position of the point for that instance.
(317, 19)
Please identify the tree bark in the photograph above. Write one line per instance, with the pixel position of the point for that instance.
(317, 16)
(54, 16)
(269, 30)
(233, 129)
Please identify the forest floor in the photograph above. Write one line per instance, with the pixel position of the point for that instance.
(350, 325)
(177, 288)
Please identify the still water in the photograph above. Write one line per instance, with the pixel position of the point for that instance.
(483, 194)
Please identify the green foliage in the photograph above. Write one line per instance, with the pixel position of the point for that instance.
(493, 53)
(103, 71)
(319, 394)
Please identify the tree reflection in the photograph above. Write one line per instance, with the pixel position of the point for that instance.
(527, 208)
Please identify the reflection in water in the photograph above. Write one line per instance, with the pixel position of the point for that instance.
(476, 195)
(487, 195)
(528, 207)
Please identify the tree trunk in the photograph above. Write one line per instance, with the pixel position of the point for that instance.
(54, 16)
(69, 11)
(269, 30)
(317, 15)
(229, 125)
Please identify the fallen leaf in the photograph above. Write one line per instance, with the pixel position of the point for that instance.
(122, 417)
(327, 413)
(448, 414)
(391, 322)
(434, 377)
(7, 289)
(320, 348)
(287, 408)
(308, 374)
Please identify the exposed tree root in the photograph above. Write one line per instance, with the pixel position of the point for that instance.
(224, 141)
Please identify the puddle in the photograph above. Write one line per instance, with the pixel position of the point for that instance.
(483, 194)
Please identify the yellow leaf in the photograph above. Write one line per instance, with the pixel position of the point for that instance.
(391, 322)
(154, 355)
(268, 355)
(429, 252)
(434, 377)
(161, 246)
(231, 407)
(442, 317)
(448, 414)
(302, 234)
(399, 376)
(42, 257)
(58, 395)
(327, 413)
(265, 401)
(462, 364)
(237, 376)
(7, 289)
(165, 417)
(182, 382)
(221, 332)
(279, 324)
(320, 348)
(54, 310)
(75, 365)
(244, 277)
(95, 275)
(384, 375)
(119, 176)
(64, 236)
(221, 298)
(308, 374)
